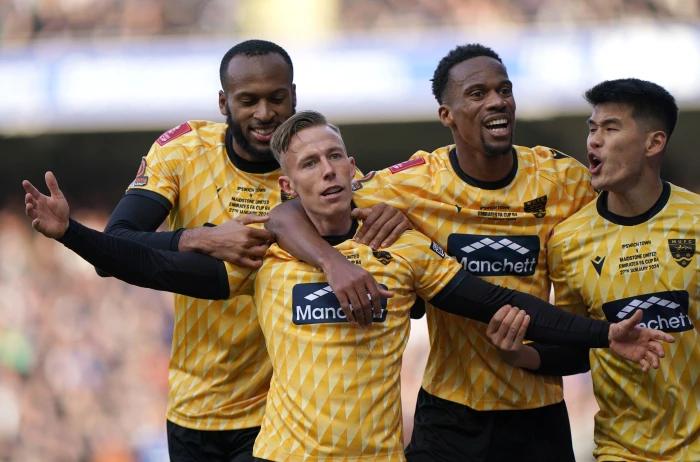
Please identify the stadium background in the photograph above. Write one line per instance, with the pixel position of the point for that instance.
(87, 85)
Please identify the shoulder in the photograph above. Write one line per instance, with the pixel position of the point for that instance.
(553, 163)
(420, 164)
(569, 227)
(682, 196)
(192, 136)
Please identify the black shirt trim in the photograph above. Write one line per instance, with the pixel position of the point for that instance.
(339, 239)
(602, 207)
(502, 183)
(246, 165)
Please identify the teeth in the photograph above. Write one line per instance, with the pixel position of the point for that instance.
(264, 131)
(497, 122)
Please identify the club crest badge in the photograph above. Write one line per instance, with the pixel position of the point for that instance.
(537, 207)
(682, 250)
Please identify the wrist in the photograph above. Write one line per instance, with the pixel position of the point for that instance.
(193, 240)
(329, 258)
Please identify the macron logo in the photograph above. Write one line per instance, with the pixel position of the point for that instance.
(644, 304)
(495, 245)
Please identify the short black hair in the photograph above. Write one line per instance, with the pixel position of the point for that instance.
(253, 48)
(647, 99)
(454, 57)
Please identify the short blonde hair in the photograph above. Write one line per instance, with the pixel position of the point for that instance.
(290, 127)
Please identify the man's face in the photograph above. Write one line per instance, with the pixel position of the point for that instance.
(616, 147)
(317, 168)
(257, 98)
(478, 106)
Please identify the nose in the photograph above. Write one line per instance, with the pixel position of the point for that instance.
(328, 169)
(496, 100)
(594, 139)
(264, 111)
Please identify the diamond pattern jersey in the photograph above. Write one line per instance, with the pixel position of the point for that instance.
(335, 390)
(607, 270)
(219, 371)
(495, 230)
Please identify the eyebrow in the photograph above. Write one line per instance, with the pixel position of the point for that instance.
(608, 121)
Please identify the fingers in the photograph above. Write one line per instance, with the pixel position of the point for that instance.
(514, 328)
(657, 349)
(30, 189)
(496, 320)
(645, 364)
(652, 359)
(345, 306)
(250, 219)
(260, 235)
(372, 223)
(52, 184)
(662, 336)
(375, 299)
(404, 225)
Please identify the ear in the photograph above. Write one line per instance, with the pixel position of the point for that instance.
(352, 161)
(286, 185)
(655, 143)
(445, 116)
(223, 107)
(294, 97)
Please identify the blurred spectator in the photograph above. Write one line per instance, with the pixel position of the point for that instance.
(83, 360)
(22, 21)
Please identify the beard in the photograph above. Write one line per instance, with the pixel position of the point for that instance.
(491, 150)
(261, 155)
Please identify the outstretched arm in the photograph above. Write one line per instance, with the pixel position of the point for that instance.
(469, 296)
(187, 273)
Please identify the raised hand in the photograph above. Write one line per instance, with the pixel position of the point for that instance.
(234, 241)
(49, 214)
(638, 344)
(381, 225)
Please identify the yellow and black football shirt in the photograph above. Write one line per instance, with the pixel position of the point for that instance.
(607, 267)
(496, 230)
(219, 369)
(335, 391)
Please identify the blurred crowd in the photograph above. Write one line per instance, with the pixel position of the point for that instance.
(83, 360)
(22, 21)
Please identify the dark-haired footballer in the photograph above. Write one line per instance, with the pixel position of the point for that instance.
(634, 247)
(335, 390)
(204, 173)
(492, 205)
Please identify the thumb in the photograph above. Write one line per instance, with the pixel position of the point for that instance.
(384, 293)
(52, 184)
(636, 318)
(250, 219)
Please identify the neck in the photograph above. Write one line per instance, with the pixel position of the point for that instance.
(636, 199)
(481, 167)
(336, 224)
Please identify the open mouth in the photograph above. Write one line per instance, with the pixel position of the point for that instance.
(498, 127)
(332, 191)
(594, 163)
(263, 134)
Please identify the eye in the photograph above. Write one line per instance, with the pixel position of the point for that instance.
(477, 94)
(506, 91)
(335, 156)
